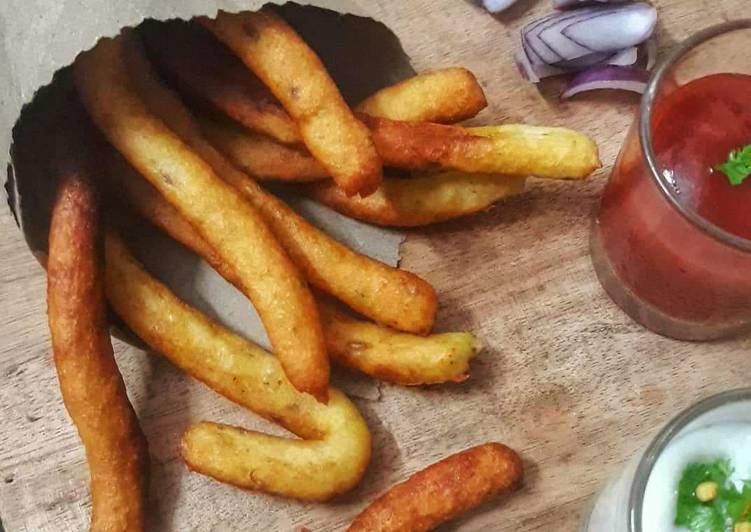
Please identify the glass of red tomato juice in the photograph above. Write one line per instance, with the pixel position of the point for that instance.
(671, 243)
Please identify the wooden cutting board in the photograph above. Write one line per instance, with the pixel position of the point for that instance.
(566, 378)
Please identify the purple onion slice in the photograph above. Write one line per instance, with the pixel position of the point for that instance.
(629, 78)
(614, 28)
(578, 39)
(626, 57)
(534, 73)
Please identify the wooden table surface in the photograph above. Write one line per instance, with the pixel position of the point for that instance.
(566, 378)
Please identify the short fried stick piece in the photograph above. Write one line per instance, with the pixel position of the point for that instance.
(259, 155)
(396, 357)
(423, 200)
(295, 75)
(204, 68)
(387, 295)
(334, 450)
(235, 229)
(90, 382)
(550, 152)
(443, 491)
(380, 352)
(444, 96)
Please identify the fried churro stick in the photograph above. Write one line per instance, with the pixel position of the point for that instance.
(334, 449)
(387, 295)
(398, 117)
(377, 351)
(90, 382)
(514, 149)
(443, 491)
(204, 68)
(444, 96)
(391, 356)
(261, 156)
(295, 75)
(235, 229)
(418, 201)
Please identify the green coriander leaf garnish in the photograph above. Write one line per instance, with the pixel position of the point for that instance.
(691, 512)
(738, 165)
(739, 503)
(730, 506)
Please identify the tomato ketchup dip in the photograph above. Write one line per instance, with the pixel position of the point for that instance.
(674, 250)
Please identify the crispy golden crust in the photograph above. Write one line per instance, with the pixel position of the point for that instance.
(90, 382)
(334, 449)
(521, 150)
(296, 76)
(396, 357)
(374, 350)
(260, 156)
(390, 296)
(205, 69)
(418, 201)
(235, 229)
(443, 491)
(443, 96)
(387, 295)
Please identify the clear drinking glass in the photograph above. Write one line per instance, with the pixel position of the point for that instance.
(633, 501)
(665, 265)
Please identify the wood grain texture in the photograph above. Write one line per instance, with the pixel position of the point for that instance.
(566, 379)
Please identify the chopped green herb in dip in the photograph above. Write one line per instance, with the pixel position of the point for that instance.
(708, 501)
(738, 166)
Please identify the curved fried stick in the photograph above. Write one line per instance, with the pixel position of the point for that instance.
(202, 67)
(382, 353)
(444, 96)
(232, 227)
(261, 156)
(387, 295)
(90, 382)
(295, 75)
(514, 149)
(443, 491)
(334, 450)
(417, 201)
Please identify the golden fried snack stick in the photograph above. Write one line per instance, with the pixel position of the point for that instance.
(235, 229)
(443, 491)
(259, 155)
(423, 200)
(295, 75)
(382, 353)
(90, 382)
(391, 356)
(202, 67)
(387, 295)
(444, 96)
(334, 449)
(549, 152)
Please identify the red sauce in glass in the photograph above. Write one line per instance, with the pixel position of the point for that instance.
(667, 264)
(694, 130)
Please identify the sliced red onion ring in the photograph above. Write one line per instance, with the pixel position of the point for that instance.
(626, 57)
(496, 6)
(563, 4)
(627, 78)
(534, 73)
(614, 28)
(581, 38)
